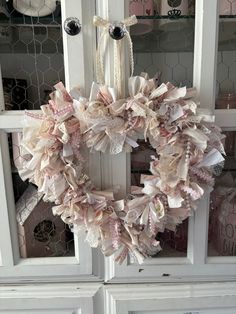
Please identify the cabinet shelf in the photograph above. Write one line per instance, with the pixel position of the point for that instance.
(164, 17)
(181, 17)
(30, 39)
(49, 21)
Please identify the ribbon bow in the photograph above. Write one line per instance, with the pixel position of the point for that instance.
(102, 45)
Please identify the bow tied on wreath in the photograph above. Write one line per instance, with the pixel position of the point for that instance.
(187, 144)
(116, 31)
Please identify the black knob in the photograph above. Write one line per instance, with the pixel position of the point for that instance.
(117, 31)
(72, 26)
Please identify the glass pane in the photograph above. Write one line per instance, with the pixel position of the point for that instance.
(40, 233)
(174, 244)
(31, 52)
(163, 39)
(222, 219)
(226, 67)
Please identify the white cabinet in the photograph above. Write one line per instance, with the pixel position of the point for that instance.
(176, 299)
(197, 48)
(50, 299)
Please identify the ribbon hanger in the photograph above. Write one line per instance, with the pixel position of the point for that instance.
(117, 31)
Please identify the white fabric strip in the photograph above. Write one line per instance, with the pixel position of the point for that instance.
(101, 49)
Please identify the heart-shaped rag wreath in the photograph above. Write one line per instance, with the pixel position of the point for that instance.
(187, 143)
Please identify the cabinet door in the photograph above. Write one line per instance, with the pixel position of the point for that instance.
(171, 299)
(51, 299)
(183, 51)
(35, 54)
(221, 249)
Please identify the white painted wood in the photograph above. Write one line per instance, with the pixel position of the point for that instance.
(115, 169)
(168, 261)
(184, 298)
(204, 78)
(49, 290)
(200, 235)
(226, 119)
(2, 105)
(189, 311)
(11, 121)
(79, 50)
(115, 173)
(6, 245)
(221, 260)
(46, 310)
(50, 299)
(171, 272)
(59, 269)
(79, 54)
(190, 249)
(205, 48)
(121, 174)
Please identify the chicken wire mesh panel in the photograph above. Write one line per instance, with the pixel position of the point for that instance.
(222, 218)
(174, 67)
(163, 39)
(173, 243)
(31, 51)
(40, 233)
